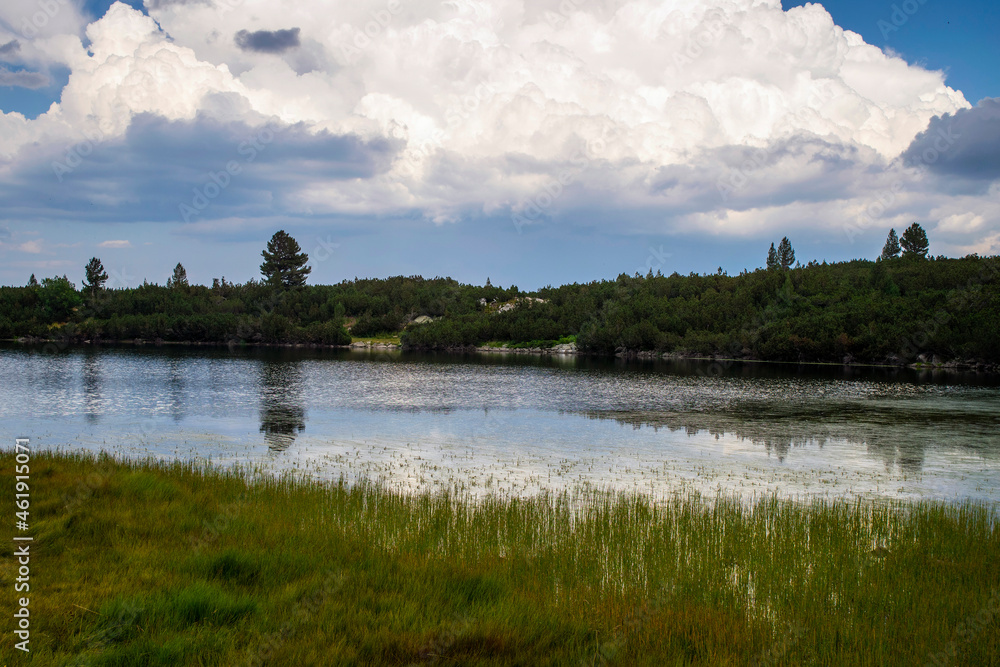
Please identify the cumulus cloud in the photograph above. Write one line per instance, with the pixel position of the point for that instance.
(33, 21)
(495, 99)
(192, 170)
(717, 117)
(160, 4)
(268, 41)
(966, 143)
(114, 244)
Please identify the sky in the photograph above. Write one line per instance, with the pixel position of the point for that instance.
(532, 143)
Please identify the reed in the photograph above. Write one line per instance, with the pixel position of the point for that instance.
(171, 563)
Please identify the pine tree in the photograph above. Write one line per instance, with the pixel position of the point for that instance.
(96, 276)
(32, 281)
(180, 277)
(772, 258)
(786, 256)
(284, 262)
(914, 242)
(891, 248)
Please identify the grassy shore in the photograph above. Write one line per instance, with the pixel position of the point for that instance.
(149, 563)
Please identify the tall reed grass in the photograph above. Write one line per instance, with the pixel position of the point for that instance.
(154, 563)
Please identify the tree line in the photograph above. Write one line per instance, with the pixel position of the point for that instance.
(901, 305)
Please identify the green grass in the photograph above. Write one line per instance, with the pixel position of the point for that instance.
(150, 563)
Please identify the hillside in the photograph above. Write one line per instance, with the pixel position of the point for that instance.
(895, 311)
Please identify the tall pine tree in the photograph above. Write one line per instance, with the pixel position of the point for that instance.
(914, 242)
(786, 256)
(772, 258)
(891, 248)
(284, 262)
(179, 278)
(96, 276)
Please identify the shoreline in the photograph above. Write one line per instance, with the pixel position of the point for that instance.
(935, 364)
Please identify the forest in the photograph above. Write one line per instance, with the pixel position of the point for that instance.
(896, 309)
(883, 311)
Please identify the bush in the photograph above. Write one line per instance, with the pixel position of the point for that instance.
(59, 299)
(326, 333)
(373, 325)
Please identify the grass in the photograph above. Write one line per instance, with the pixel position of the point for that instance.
(150, 563)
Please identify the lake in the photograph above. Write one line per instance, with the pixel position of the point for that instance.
(519, 424)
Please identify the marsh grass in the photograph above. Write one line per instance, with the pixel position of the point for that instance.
(152, 563)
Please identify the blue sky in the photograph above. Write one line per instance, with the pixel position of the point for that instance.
(523, 142)
(957, 37)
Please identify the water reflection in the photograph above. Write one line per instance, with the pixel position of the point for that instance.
(175, 385)
(282, 413)
(91, 375)
(521, 417)
(900, 443)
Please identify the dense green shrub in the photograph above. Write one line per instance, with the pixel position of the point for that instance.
(821, 312)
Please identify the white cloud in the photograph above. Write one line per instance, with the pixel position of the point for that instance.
(114, 244)
(961, 223)
(624, 104)
(38, 20)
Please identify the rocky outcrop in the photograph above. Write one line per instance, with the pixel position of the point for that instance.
(568, 348)
(368, 345)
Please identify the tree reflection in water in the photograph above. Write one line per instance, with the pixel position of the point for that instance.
(175, 384)
(282, 414)
(891, 440)
(92, 386)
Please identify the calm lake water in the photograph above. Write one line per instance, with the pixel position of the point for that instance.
(520, 424)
